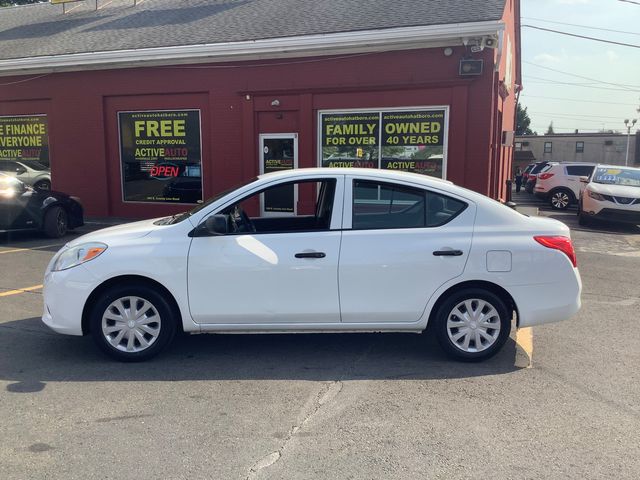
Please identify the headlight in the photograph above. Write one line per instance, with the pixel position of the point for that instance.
(595, 196)
(75, 256)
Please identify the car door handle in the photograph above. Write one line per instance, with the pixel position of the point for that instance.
(310, 255)
(447, 253)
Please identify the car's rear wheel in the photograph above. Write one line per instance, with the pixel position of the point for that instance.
(56, 222)
(561, 199)
(131, 323)
(472, 324)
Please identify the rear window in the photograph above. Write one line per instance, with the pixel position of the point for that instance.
(537, 168)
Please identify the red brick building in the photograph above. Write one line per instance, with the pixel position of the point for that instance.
(147, 107)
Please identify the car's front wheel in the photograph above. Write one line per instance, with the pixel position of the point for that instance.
(56, 222)
(472, 324)
(583, 219)
(131, 323)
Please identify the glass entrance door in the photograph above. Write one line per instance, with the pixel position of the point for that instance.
(279, 151)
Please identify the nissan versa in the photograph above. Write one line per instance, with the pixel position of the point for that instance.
(318, 250)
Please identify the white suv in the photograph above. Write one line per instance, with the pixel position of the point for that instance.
(559, 183)
(612, 193)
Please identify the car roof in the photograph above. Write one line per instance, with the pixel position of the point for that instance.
(444, 186)
(572, 163)
(369, 172)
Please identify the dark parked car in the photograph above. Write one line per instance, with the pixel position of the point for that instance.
(531, 179)
(525, 174)
(24, 208)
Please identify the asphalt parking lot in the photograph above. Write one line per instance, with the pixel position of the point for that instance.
(559, 401)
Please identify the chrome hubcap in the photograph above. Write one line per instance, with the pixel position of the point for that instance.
(560, 200)
(131, 324)
(473, 325)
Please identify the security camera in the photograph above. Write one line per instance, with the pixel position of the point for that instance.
(489, 42)
(478, 45)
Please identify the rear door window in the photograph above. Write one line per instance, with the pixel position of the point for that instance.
(378, 205)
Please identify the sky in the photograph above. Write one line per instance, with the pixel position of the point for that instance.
(611, 91)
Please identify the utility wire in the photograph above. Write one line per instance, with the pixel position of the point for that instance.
(525, 95)
(594, 130)
(582, 76)
(581, 26)
(584, 36)
(580, 120)
(547, 81)
(630, 1)
(572, 115)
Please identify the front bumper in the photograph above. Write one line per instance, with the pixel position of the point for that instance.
(65, 294)
(618, 216)
(541, 194)
(610, 211)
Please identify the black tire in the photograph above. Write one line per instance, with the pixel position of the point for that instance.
(56, 222)
(43, 185)
(584, 220)
(561, 198)
(501, 334)
(159, 306)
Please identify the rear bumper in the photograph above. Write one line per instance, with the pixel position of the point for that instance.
(540, 194)
(548, 303)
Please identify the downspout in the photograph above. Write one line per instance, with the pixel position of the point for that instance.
(494, 173)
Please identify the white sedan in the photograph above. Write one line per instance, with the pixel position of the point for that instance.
(318, 250)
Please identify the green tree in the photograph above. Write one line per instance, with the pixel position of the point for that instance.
(522, 121)
(9, 3)
(550, 129)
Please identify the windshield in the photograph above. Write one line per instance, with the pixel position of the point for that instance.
(184, 215)
(617, 176)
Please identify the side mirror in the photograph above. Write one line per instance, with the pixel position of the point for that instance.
(20, 170)
(584, 179)
(217, 224)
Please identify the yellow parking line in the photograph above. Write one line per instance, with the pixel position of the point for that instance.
(20, 290)
(33, 248)
(524, 347)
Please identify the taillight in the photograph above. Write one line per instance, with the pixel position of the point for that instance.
(544, 176)
(559, 243)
